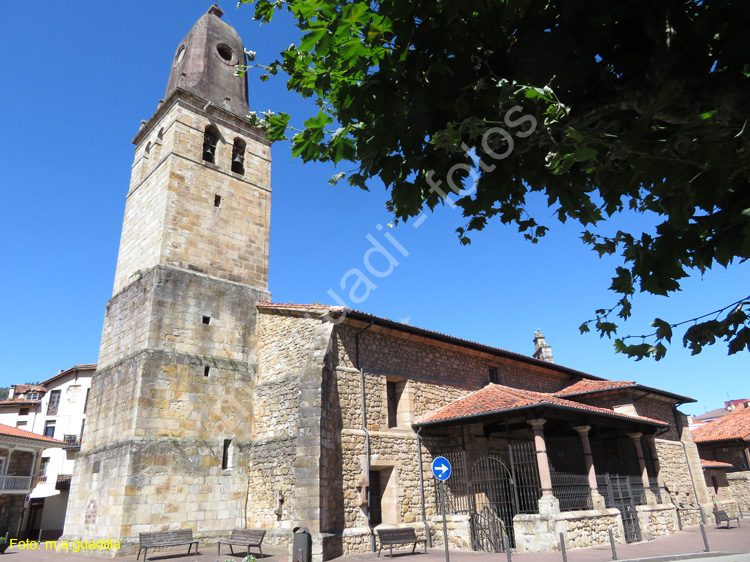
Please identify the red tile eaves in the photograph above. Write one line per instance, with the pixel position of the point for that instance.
(16, 432)
(19, 401)
(495, 398)
(585, 386)
(735, 425)
(715, 464)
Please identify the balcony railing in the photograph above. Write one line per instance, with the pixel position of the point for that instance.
(15, 483)
(72, 441)
(42, 478)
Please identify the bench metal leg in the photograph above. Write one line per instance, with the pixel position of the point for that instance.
(413, 548)
(391, 551)
(261, 551)
(231, 549)
(381, 548)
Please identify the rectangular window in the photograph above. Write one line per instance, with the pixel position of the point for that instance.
(54, 402)
(43, 466)
(49, 428)
(23, 412)
(492, 372)
(21, 424)
(376, 499)
(392, 404)
(32, 396)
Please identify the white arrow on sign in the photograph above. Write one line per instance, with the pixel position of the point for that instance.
(441, 468)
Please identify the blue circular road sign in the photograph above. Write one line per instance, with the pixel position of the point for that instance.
(441, 468)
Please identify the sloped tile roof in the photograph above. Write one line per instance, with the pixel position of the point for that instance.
(732, 426)
(585, 386)
(715, 464)
(16, 432)
(18, 401)
(496, 398)
(84, 367)
(21, 388)
(713, 414)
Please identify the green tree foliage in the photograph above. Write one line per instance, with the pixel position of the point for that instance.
(637, 107)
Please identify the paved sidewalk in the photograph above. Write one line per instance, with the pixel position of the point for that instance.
(727, 545)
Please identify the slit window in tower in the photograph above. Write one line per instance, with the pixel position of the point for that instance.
(210, 140)
(226, 458)
(217, 200)
(206, 371)
(206, 320)
(238, 156)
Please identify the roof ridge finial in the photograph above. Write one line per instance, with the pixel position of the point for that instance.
(215, 10)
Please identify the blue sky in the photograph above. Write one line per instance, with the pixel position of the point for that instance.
(78, 79)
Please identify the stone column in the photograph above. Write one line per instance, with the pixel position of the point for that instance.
(636, 437)
(597, 501)
(548, 503)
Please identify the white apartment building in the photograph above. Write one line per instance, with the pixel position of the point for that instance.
(55, 408)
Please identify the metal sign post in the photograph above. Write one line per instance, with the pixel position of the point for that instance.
(441, 468)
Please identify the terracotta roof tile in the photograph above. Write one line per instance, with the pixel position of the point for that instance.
(732, 426)
(715, 464)
(495, 398)
(21, 388)
(16, 432)
(19, 401)
(585, 386)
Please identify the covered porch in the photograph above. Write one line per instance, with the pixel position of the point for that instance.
(529, 465)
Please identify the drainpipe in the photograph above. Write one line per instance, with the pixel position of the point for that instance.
(364, 427)
(421, 488)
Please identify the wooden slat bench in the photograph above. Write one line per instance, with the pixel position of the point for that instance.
(166, 538)
(720, 516)
(402, 535)
(244, 537)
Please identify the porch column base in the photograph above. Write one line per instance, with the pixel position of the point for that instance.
(650, 497)
(597, 500)
(549, 505)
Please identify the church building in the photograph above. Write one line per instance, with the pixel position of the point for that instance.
(214, 408)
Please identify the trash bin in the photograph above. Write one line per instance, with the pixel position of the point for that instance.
(301, 546)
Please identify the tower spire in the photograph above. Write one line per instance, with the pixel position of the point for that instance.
(204, 64)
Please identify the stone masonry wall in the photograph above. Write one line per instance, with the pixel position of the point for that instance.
(19, 463)
(739, 484)
(170, 215)
(283, 345)
(657, 520)
(677, 479)
(390, 352)
(540, 533)
(11, 512)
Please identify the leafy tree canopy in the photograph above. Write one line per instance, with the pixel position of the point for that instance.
(602, 107)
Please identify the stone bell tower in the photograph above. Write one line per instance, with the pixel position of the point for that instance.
(170, 411)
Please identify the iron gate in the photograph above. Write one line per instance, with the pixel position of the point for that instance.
(492, 492)
(494, 501)
(621, 493)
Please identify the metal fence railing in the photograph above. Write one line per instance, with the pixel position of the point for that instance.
(572, 490)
